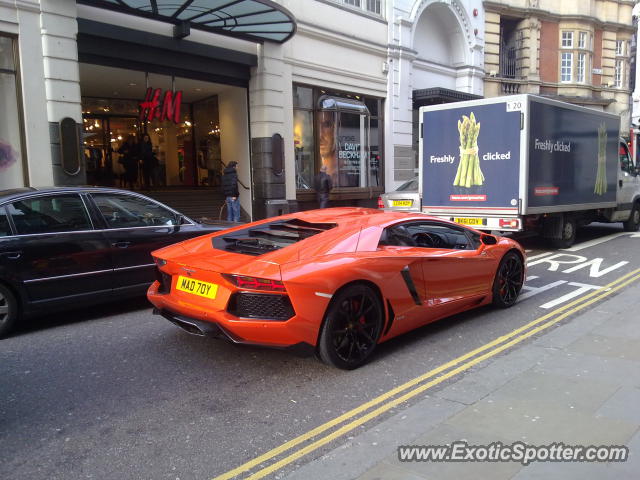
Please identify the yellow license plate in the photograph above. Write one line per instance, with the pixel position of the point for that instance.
(401, 203)
(197, 287)
(469, 221)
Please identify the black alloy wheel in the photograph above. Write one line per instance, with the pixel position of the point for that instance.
(8, 311)
(633, 223)
(508, 281)
(352, 326)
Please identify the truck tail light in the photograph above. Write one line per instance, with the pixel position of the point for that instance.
(380, 203)
(509, 222)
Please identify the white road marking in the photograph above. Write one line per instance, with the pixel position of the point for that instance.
(581, 246)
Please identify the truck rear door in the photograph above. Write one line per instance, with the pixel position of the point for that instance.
(470, 159)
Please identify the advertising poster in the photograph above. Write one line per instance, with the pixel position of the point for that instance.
(573, 157)
(471, 157)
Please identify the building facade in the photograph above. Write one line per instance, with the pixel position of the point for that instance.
(282, 87)
(573, 50)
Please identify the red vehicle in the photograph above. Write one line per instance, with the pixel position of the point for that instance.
(336, 281)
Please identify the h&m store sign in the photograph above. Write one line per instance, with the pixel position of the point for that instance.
(167, 109)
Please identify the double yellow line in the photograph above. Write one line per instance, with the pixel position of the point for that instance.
(389, 400)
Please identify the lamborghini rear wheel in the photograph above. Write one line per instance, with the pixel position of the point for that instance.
(508, 281)
(352, 326)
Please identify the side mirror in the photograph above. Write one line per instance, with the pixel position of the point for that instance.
(488, 239)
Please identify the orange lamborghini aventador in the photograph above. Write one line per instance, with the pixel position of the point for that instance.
(336, 281)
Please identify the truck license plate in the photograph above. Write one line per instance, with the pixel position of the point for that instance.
(470, 221)
(401, 203)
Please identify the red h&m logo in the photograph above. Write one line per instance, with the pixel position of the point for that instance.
(151, 109)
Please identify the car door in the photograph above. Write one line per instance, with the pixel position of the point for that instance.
(135, 226)
(56, 255)
(628, 179)
(456, 270)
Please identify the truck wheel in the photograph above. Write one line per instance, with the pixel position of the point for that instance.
(633, 223)
(567, 235)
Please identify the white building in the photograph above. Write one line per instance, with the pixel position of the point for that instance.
(280, 87)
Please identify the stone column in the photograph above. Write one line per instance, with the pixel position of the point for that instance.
(62, 80)
(268, 117)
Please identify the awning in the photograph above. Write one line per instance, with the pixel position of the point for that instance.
(254, 20)
(437, 95)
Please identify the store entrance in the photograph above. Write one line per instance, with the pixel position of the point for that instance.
(135, 138)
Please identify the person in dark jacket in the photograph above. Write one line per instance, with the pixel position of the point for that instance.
(129, 160)
(323, 186)
(149, 161)
(230, 191)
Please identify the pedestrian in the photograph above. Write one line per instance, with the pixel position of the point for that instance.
(230, 191)
(129, 159)
(149, 161)
(323, 186)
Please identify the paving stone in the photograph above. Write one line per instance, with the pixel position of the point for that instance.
(477, 384)
(605, 346)
(557, 391)
(386, 471)
(623, 405)
(579, 365)
(446, 433)
(541, 423)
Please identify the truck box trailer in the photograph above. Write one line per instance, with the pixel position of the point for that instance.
(526, 163)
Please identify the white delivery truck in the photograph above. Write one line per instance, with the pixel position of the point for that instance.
(526, 163)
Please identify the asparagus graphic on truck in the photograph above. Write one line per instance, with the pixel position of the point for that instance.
(469, 172)
(600, 187)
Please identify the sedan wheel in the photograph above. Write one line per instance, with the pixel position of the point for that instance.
(8, 311)
(352, 326)
(508, 281)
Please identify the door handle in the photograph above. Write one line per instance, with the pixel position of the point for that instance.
(620, 182)
(121, 244)
(11, 255)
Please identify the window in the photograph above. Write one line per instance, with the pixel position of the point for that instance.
(11, 163)
(339, 130)
(582, 40)
(372, 6)
(626, 165)
(566, 67)
(126, 211)
(567, 40)
(619, 73)
(427, 235)
(619, 47)
(303, 138)
(5, 228)
(581, 68)
(50, 214)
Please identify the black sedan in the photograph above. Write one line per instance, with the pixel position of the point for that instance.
(64, 248)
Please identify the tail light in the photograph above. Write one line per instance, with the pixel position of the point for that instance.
(509, 222)
(255, 283)
(380, 203)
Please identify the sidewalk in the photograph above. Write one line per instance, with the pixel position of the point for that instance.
(578, 384)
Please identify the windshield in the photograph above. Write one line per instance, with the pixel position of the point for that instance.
(410, 186)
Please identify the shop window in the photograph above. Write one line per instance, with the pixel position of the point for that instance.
(344, 140)
(303, 138)
(12, 171)
(343, 132)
